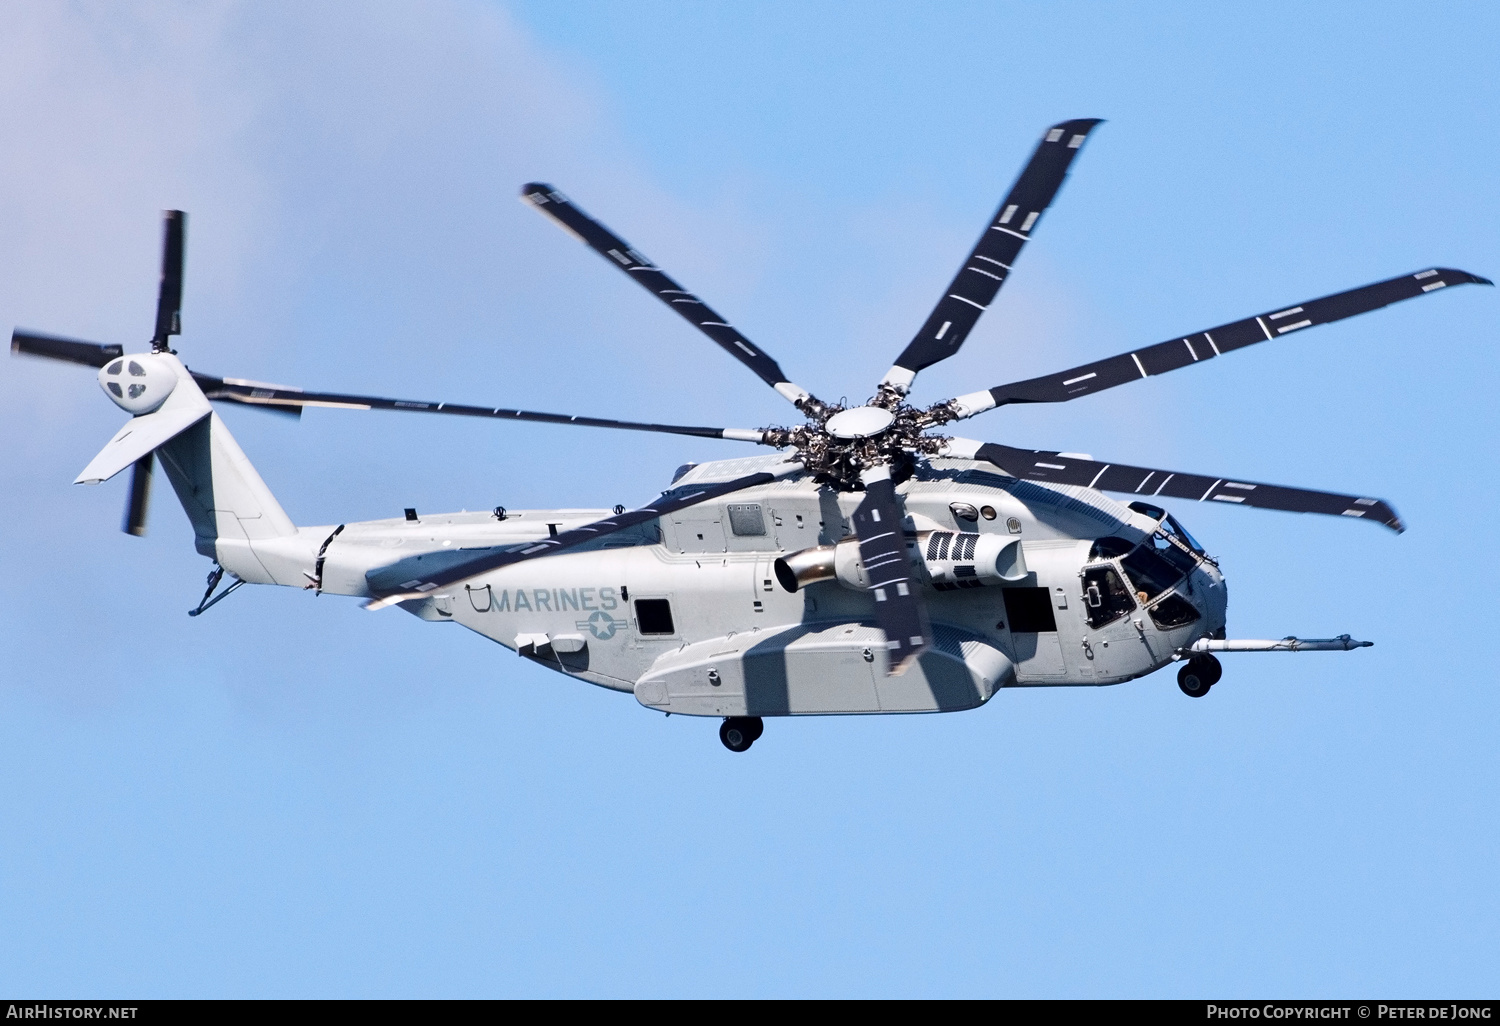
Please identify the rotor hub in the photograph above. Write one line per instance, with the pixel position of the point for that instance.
(837, 445)
(860, 422)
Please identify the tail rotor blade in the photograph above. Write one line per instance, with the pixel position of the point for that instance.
(899, 609)
(90, 354)
(169, 300)
(140, 496)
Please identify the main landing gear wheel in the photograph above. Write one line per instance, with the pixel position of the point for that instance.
(1198, 675)
(739, 732)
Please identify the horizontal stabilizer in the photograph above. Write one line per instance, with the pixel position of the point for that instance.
(142, 435)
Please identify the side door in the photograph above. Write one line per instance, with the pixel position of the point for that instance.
(1032, 622)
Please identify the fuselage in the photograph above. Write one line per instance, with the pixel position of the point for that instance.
(744, 592)
(689, 614)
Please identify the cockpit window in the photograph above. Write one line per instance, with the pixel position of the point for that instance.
(1105, 597)
(1108, 548)
(1173, 611)
(1169, 524)
(1150, 573)
(1182, 533)
(1180, 559)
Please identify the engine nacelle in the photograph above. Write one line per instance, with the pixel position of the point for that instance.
(960, 560)
(943, 560)
(138, 383)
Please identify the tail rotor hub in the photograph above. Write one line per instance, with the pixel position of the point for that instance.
(138, 383)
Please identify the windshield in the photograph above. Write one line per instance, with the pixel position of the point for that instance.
(1168, 523)
(1181, 532)
(1149, 573)
(1154, 567)
(1180, 558)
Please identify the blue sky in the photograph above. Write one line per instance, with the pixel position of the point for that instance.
(292, 797)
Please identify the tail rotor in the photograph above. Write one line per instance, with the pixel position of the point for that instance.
(129, 384)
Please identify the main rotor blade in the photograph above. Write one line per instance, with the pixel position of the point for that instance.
(90, 354)
(140, 496)
(899, 609)
(985, 270)
(651, 278)
(169, 298)
(255, 393)
(1055, 468)
(1205, 345)
(408, 580)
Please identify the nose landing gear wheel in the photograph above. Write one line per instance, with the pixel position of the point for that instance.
(1198, 675)
(739, 732)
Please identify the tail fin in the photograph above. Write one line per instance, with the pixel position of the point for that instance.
(228, 504)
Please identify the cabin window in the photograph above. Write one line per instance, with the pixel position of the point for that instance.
(1105, 597)
(1029, 610)
(745, 518)
(654, 616)
(1173, 611)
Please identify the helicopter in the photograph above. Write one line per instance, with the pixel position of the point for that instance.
(868, 564)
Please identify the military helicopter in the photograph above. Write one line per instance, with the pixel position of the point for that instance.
(869, 565)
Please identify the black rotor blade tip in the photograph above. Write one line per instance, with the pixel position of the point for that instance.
(139, 501)
(90, 354)
(169, 299)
